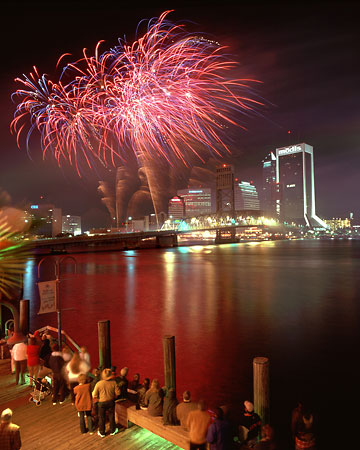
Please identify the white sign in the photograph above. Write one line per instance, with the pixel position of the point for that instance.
(289, 150)
(47, 291)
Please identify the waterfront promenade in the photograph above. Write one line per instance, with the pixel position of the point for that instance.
(57, 427)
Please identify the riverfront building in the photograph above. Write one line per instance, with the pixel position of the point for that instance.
(176, 210)
(270, 189)
(71, 224)
(197, 201)
(46, 218)
(295, 174)
(246, 196)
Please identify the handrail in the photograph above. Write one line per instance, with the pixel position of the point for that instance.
(55, 330)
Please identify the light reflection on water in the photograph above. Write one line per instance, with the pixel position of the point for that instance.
(296, 302)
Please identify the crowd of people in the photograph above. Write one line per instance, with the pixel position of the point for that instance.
(94, 393)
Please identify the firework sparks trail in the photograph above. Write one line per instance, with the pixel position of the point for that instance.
(156, 97)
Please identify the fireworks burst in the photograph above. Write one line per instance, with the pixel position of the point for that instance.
(160, 97)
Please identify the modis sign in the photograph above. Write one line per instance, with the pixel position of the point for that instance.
(289, 150)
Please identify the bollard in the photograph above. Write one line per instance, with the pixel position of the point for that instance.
(261, 388)
(24, 317)
(169, 362)
(104, 344)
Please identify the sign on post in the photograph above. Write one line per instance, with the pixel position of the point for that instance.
(47, 291)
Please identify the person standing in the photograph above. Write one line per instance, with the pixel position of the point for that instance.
(33, 359)
(9, 432)
(183, 408)
(105, 392)
(198, 422)
(218, 434)
(56, 364)
(83, 402)
(20, 361)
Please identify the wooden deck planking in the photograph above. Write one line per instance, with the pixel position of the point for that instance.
(57, 427)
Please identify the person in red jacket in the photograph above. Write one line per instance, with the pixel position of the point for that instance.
(33, 359)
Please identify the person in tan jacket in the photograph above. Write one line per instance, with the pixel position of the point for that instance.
(106, 391)
(198, 422)
(83, 403)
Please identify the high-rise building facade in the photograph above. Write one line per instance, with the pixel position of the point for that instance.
(197, 201)
(269, 190)
(71, 224)
(225, 200)
(176, 209)
(295, 174)
(47, 219)
(246, 196)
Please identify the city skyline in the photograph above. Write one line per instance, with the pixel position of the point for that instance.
(302, 57)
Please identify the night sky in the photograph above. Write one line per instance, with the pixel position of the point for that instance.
(305, 55)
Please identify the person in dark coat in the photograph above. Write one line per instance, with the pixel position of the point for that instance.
(169, 409)
(251, 422)
(141, 393)
(133, 388)
(219, 432)
(56, 363)
(154, 399)
(45, 352)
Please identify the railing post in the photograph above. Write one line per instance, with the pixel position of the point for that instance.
(24, 317)
(104, 344)
(169, 361)
(261, 388)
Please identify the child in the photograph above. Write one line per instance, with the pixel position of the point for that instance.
(83, 403)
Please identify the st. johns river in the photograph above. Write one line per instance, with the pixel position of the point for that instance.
(296, 302)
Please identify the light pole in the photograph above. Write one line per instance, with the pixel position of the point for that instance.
(57, 262)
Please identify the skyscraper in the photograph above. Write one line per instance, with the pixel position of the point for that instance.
(176, 210)
(246, 196)
(295, 173)
(225, 202)
(197, 201)
(269, 190)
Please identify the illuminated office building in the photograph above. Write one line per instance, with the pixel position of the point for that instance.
(176, 209)
(197, 201)
(246, 196)
(295, 174)
(270, 189)
(46, 218)
(71, 224)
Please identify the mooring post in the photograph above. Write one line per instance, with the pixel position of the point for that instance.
(24, 317)
(169, 361)
(261, 388)
(104, 344)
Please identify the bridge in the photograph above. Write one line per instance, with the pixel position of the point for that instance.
(224, 226)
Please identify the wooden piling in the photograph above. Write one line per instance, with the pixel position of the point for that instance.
(104, 344)
(24, 324)
(261, 388)
(169, 361)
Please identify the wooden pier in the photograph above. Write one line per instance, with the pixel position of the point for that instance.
(57, 427)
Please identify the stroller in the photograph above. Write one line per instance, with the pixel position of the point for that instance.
(41, 390)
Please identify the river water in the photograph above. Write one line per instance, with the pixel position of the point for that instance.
(296, 302)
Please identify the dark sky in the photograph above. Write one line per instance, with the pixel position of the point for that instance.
(307, 57)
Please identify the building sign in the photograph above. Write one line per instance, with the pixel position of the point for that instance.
(34, 206)
(289, 150)
(47, 291)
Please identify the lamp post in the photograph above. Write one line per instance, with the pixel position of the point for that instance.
(57, 263)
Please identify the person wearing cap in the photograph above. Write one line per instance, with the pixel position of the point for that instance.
(250, 424)
(183, 408)
(219, 432)
(9, 432)
(105, 392)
